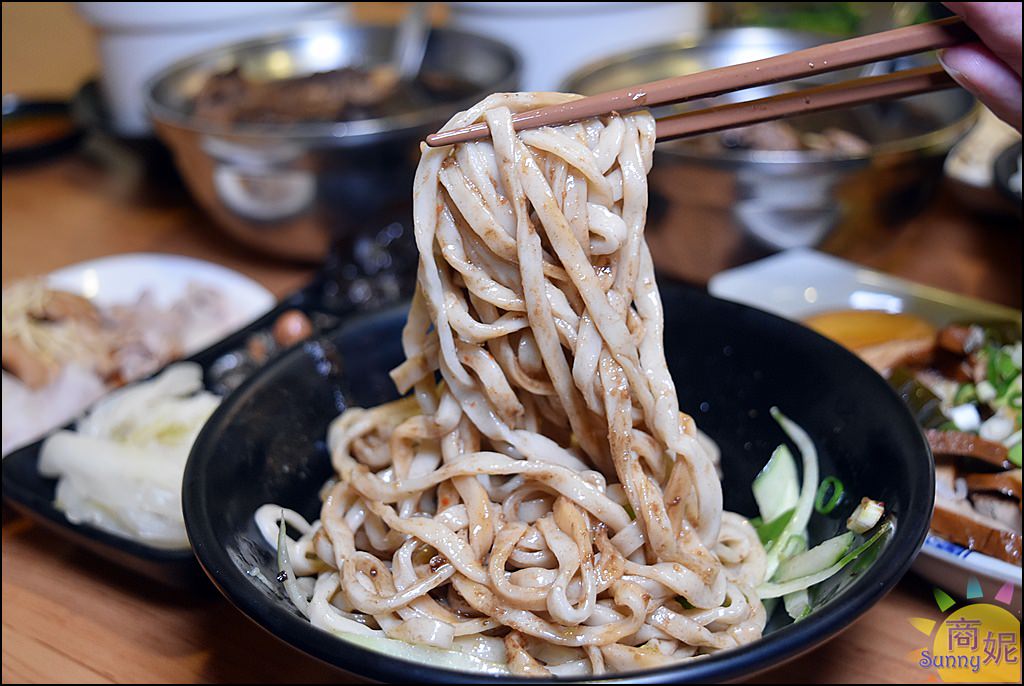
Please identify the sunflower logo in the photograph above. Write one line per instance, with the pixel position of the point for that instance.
(977, 642)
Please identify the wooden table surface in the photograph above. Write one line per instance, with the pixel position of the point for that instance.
(69, 616)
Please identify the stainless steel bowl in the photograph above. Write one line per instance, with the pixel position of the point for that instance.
(736, 205)
(297, 190)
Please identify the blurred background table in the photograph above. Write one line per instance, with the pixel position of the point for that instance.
(68, 616)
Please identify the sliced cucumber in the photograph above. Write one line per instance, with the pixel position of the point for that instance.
(821, 556)
(798, 604)
(805, 502)
(776, 488)
(795, 544)
(784, 588)
(770, 531)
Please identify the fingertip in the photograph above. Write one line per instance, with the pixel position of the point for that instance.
(986, 77)
(950, 60)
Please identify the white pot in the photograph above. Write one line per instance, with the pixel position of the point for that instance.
(556, 38)
(138, 39)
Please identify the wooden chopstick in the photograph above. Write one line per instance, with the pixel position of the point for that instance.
(853, 52)
(830, 97)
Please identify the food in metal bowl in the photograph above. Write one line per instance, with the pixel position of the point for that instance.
(331, 169)
(345, 94)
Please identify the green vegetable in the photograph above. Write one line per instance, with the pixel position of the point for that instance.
(967, 393)
(1014, 454)
(798, 604)
(805, 503)
(794, 546)
(771, 531)
(865, 516)
(1010, 397)
(836, 18)
(821, 556)
(776, 488)
(832, 489)
(1005, 366)
(780, 589)
(1001, 371)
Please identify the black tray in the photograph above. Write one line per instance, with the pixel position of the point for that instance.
(28, 492)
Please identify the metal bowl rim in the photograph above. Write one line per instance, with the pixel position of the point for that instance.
(165, 114)
(943, 137)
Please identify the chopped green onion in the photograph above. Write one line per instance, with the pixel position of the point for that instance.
(866, 515)
(985, 391)
(1001, 370)
(966, 417)
(1005, 366)
(829, 484)
(965, 394)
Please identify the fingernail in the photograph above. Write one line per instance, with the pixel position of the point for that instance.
(957, 75)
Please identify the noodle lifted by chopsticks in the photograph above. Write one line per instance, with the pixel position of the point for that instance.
(546, 506)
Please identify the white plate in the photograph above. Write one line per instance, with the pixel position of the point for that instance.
(800, 282)
(122, 279)
(797, 283)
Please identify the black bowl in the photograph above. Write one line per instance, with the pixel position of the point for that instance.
(731, 363)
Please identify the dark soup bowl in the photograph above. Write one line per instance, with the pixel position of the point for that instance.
(731, 363)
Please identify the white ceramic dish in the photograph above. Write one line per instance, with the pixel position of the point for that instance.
(798, 283)
(137, 39)
(124, 278)
(556, 38)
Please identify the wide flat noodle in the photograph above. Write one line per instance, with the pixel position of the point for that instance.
(546, 504)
